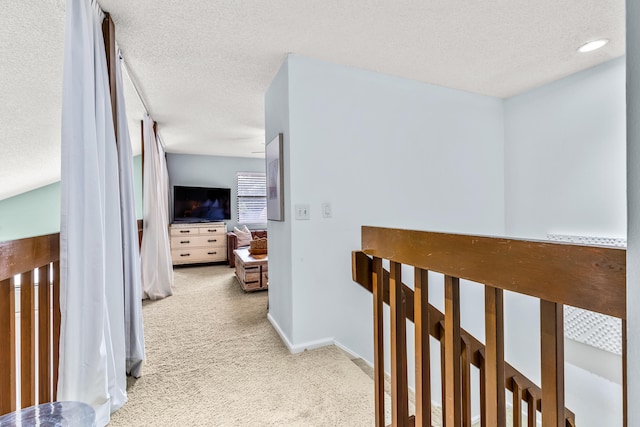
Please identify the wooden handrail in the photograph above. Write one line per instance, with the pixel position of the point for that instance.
(28, 254)
(588, 277)
(23, 258)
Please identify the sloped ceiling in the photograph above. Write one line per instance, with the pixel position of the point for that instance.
(203, 66)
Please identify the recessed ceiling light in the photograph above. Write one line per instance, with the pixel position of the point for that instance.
(593, 45)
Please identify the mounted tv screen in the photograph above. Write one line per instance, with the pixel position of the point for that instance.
(201, 204)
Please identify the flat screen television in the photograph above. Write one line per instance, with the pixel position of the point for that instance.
(201, 204)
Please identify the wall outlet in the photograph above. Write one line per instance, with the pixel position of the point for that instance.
(303, 211)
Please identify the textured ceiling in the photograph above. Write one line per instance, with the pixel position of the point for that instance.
(203, 66)
(31, 40)
(31, 58)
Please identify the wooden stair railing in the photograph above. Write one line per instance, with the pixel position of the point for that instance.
(24, 257)
(592, 278)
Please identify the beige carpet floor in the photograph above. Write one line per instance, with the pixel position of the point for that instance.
(213, 359)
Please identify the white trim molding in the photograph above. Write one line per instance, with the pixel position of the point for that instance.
(298, 348)
(589, 240)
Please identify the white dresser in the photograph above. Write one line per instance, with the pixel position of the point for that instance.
(198, 243)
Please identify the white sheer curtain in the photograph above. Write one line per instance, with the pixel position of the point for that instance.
(92, 344)
(157, 270)
(133, 331)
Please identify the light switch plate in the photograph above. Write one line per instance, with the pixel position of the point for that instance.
(303, 212)
(326, 210)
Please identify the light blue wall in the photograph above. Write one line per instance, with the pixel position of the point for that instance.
(37, 212)
(211, 171)
(29, 214)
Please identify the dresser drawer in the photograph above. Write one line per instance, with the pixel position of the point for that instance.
(197, 240)
(184, 231)
(214, 229)
(193, 255)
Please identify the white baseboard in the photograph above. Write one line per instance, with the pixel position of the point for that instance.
(280, 332)
(350, 352)
(299, 348)
(311, 345)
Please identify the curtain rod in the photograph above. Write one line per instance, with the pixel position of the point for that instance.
(135, 87)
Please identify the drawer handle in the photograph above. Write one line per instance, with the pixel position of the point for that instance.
(212, 240)
(185, 231)
(213, 231)
(185, 254)
(184, 241)
(212, 253)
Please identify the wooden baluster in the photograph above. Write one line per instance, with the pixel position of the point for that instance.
(399, 386)
(378, 339)
(466, 383)
(27, 340)
(44, 337)
(532, 410)
(528, 391)
(443, 356)
(483, 391)
(56, 326)
(517, 403)
(552, 349)
(422, 323)
(494, 357)
(452, 377)
(8, 346)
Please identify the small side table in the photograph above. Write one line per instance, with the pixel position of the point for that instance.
(251, 272)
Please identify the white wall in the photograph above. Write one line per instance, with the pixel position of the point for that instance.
(382, 151)
(211, 171)
(565, 156)
(565, 174)
(633, 194)
(280, 283)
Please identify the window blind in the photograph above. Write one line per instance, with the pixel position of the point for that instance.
(252, 198)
